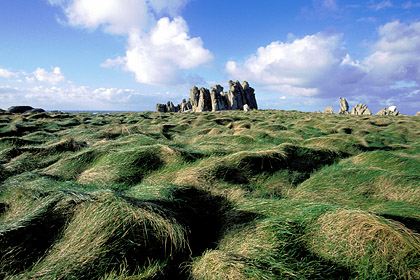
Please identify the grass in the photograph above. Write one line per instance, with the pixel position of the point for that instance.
(215, 195)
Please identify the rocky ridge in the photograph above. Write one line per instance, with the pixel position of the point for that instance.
(239, 97)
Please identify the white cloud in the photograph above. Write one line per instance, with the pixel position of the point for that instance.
(158, 51)
(381, 5)
(117, 16)
(158, 58)
(4, 73)
(317, 66)
(52, 78)
(409, 5)
(299, 64)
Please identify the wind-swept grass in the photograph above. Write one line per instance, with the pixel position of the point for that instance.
(217, 195)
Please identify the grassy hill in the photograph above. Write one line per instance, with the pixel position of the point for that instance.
(215, 195)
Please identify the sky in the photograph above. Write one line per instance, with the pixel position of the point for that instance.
(128, 55)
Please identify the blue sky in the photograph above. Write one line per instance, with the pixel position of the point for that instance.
(131, 54)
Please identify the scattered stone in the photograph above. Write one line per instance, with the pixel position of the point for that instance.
(203, 100)
(361, 109)
(19, 109)
(344, 107)
(329, 110)
(391, 111)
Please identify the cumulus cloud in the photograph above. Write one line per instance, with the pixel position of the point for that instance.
(298, 65)
(4, 73)
(52, 78)
(158, 57)
(158, 51)
(319, 66)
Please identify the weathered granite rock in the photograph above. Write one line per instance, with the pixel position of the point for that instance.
(219, 101)
(185, 106)
(19, 109)
(194, 97)
(249, 96)
(361, 109)
(246, 108)
(161, 108)
(202, 100)
(391, 111)
(328, 110)
(344, 107)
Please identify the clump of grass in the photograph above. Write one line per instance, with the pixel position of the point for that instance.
(373, 247)
(106, 232)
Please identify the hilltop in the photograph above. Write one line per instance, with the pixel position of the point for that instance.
(211, 195)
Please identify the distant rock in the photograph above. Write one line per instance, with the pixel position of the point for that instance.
(391, 111)
(19, 109)
(417, 114)
(328, 110)
(344, 107)
(203, 100)
(361, 109)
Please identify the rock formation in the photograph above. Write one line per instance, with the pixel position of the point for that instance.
(19, 109)
(328, 110)
(417, 114)
(344, 110)
(391, 111)
(203, 100)
(361, 109)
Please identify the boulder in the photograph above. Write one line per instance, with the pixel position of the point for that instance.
(161, 108)
(194, 97)
(246, 108)
(344, 106)
(218, 99)
(391, 111)
(361, 109)
(249, 96)
(328, 110)
(204, 101)
(19, 109)
(185, 106)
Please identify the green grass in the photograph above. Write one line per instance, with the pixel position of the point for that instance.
(214, 195)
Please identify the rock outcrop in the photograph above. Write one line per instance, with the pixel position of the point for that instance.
(215, 99)
(390, 111)
(328, 110)
(344, 107)
(417, 114)
(361, 109)
(19, 109)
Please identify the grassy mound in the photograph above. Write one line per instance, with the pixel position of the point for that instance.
(217, 195)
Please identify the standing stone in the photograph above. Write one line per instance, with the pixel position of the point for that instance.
(185, 106)
(161, 108)
(170, 107)
(249, 96)
(218, 102)
(361, 109)
(329, 110)
(195, 97)
(344, 107)
(204, 101)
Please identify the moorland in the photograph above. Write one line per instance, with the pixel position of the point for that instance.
(212, 195)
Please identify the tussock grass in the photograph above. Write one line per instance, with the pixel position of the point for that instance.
(374, 247)
(217, 195)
